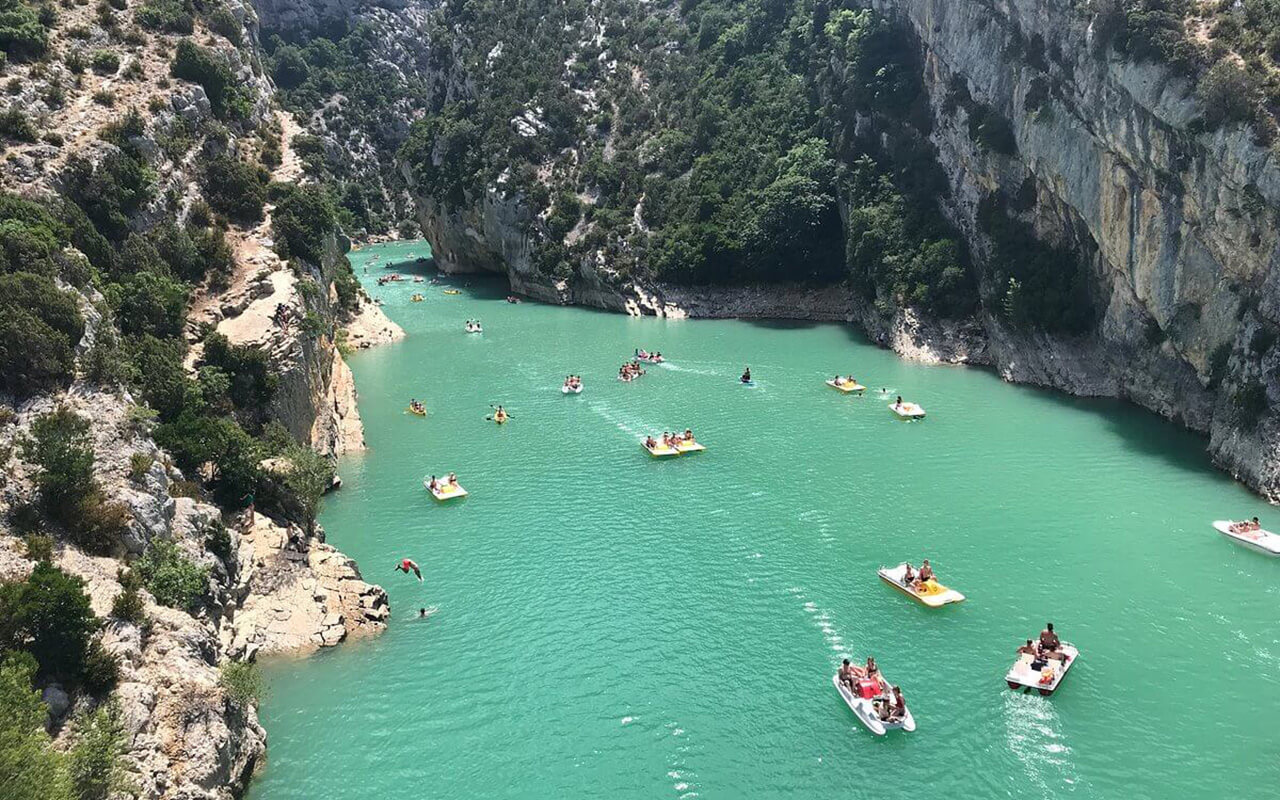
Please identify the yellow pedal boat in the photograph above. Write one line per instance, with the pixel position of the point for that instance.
(931, 594)
(444, 490)
(848, 387)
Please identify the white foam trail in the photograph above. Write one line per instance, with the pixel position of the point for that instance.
(1034, 735)
(822, 621)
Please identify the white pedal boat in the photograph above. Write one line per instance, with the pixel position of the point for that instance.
(1263, 541)
(691, 447)
(566, 389)
(847, 387)
(907, 410)
(1045, 680)
(444, 490)
(864, 709)
(474, 329)
(932, 594)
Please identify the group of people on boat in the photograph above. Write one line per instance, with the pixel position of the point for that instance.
(916, 579)
(1048, 646)
(672, 440)
(392, 278)
(434, 484)
(890, 705)
(573, 382)
(417, 407)
(652, 358)
(1245, 526)
(472, 326)
(849, 381)
(630, 371)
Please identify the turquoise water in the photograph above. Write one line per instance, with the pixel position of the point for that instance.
(611, 625)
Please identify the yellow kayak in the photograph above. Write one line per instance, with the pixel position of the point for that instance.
(420, 413)
(452, 291)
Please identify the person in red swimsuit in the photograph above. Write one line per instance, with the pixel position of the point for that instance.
(406, 566)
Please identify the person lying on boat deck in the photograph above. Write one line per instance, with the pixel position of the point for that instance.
(1048, 639)
(1029, 649)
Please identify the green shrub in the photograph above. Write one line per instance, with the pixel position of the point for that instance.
(1228, 95)
(38, 546)
(171, 578)
(101, 670)
(48, 615)
(139, 465)
(104, 97)
(105, 62)
(128, 606)
(97, 524)
(95, 762)
(16, 125)
(196, 441)
(235, 188)
(150, 303)
(170, 16)
(242, 682)
(30, 767)
(22, 37)
(109, 193)
(302, 222)
(60, 447)
(223, 22)
(253, 381)
(197, 64)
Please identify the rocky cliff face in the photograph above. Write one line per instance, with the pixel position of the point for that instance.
(1178, 227)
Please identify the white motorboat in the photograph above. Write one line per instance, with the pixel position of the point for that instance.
(864, 707)
(1047, 676)
(1263, 541)
(931, 593)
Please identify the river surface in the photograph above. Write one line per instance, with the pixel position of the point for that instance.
(612, 625)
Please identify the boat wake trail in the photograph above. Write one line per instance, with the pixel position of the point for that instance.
(1034, 736)
(682, 776)
(822, 621)
(667, 365)
(633, 428)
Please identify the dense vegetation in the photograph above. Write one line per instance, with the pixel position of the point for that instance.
(690, 144)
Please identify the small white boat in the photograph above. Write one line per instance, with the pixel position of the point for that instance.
(932, 593)
(847, 386)
(864, 708)
(1263, 541)
(907, 410)
(1045, 679)
(567, 389)
(444, 490)
(474, 329)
